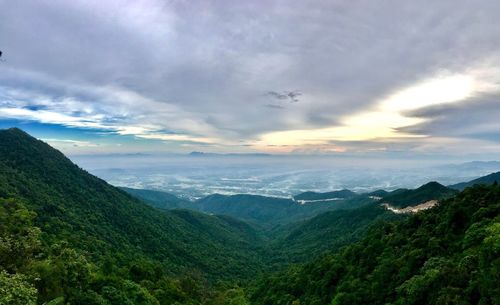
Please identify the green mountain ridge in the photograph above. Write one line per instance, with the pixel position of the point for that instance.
(487, 180)
(329, 231)
(96, 217)
(267, 212)
(67, 237)
(160, 200)
(446, 255)
(342, 194)
(403, 198)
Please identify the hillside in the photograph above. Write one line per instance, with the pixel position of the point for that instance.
(264, 211)
(271, 211)
(93, 216)
(69, 237)
(487, 180)
(257, 209)
(328, 231)
(314, 196)
(378, 193)
(159, 200)
(446, 255)
(431, 191)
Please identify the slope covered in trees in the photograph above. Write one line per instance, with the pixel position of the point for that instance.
(264, 211)
(160, 200)
(447, 255)
(328, 231)
(32, 272)
(67, 237)
(430, 191)
(488, 180)
(342, 194)
(93, 216)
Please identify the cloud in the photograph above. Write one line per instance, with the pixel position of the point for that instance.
(193, 72)
(390, 116)
(74, 143)
(290, 96)
(273, 106)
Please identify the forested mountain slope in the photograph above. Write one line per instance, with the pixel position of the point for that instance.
(67, 237)
(342, 194)
(264, 211)
(328, 231)
(91, 215)
(446, 255)
(160, 200)
(430, 191)
(488, 180)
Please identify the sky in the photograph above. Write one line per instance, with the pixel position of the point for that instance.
(413, 78)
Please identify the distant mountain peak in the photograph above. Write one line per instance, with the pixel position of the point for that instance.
(488, 179)
(427, 192)
(15, 131)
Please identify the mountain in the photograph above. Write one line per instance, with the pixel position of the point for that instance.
(267, 211)
(271, 211)
(93, 216)
(489, 179)
(328, 231)
(314, 196)
(446, 255)
(431, 191)
(159, 200)
(205, 154)
(67, 237)
(264, 211)
(378, 193)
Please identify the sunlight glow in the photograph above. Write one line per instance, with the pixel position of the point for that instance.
(386, 118)
(433, 92)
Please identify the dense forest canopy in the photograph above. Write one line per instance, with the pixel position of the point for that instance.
(67, 237)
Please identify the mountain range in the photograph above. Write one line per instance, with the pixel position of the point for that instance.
(67, 237)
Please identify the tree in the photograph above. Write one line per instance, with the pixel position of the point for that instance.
(16, 290)
(19, 239)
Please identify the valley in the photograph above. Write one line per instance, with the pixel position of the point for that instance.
(88, 242)
(217, 152)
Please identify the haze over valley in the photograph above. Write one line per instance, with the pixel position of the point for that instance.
(193, 176)
(264, 152)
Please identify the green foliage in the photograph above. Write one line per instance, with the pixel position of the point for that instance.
(70, 238)
(486, 180)
(446, 255)
(15, 289)
(60, 275)
(328, 231)
(267, 212)
(345, 194)
(77, 240)
(19, 240)
(160, 200)
(430, 191)
(95, 217)
(230, 296)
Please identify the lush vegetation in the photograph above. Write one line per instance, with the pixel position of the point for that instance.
(344, 194)
(98, 218)
(267, 212)
(430, 191)
(67, 237)
(116, 243)
(160, 200)
(328, 231)
(487, 180)
(447, 255)
(32, 272)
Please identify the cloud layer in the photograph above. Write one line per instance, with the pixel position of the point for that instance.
(372, 75)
